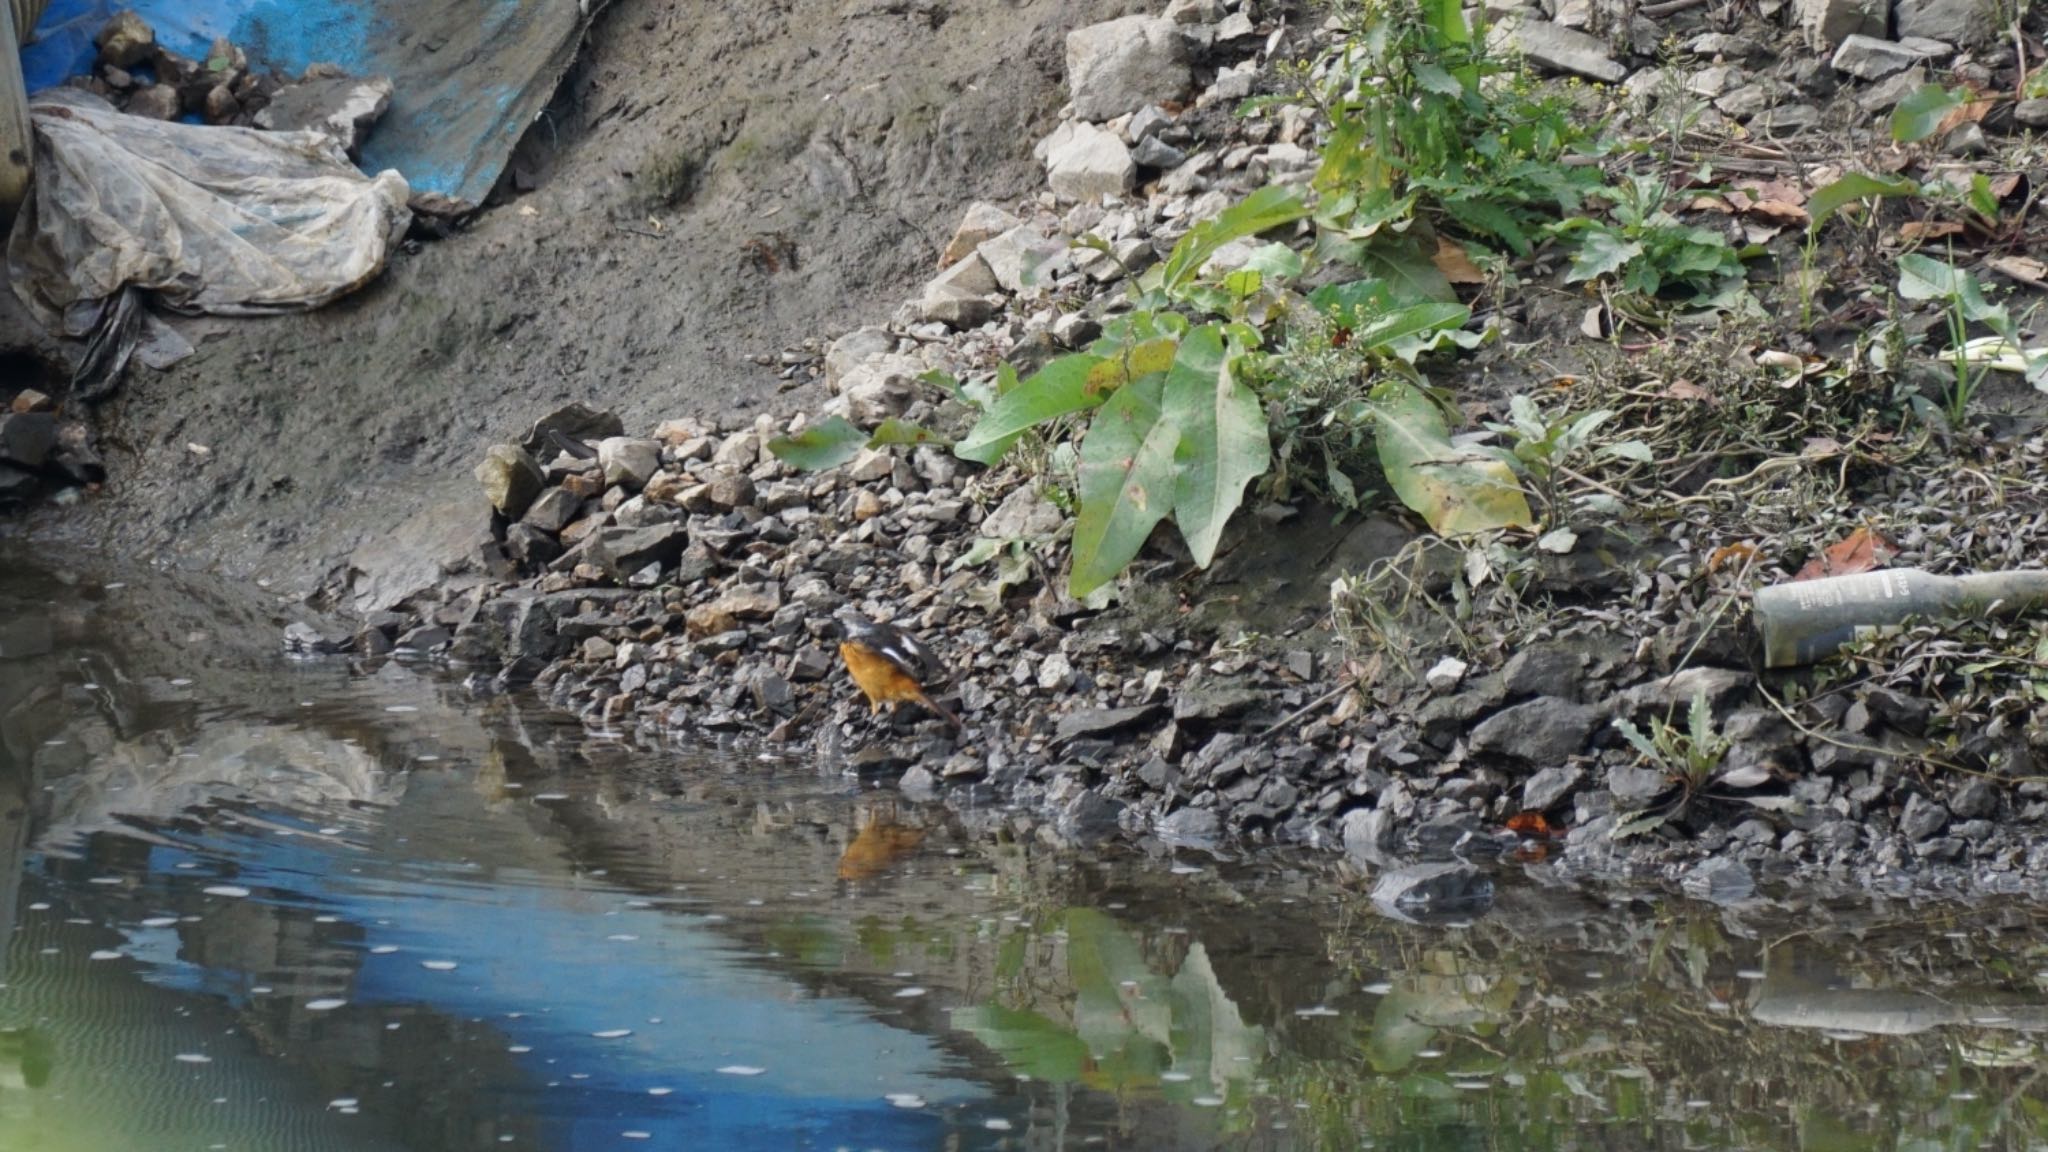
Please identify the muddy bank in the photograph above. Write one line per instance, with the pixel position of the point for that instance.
(708, 190)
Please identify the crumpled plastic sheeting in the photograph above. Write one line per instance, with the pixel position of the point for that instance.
(230, 221)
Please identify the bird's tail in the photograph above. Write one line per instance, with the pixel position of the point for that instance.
(925, 698)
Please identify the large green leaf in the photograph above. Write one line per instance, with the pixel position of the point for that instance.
(1029, 1043)
(1853, 188)
(1455, 491)
(1414, 320)
(1224, 444)
(1921, 113)
(1409, 272)
(1262, 211)
(1060, 387)
(1601, 253)
(1126, 483)
(827, 444)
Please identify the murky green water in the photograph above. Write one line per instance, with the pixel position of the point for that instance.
(247, 903)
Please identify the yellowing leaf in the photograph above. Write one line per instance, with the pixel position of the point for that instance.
(1127, 483)
(1224, 443)
(1455, 491)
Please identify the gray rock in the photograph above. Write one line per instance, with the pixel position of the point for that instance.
(1545, 670)
(1963, 23)
(1431, 891)
(918, 783)
(1559, 49)
(1025, 258)
(17, 483)
(510, 478)
(2032, 113)
(1922, 818)
(1368, 833)
(1551, 787)
(24, 635)
(1152, 152)
(858, 347)
(155, 102)
(1829, 22)
(1545, 730)
(1209, 702)
(530, 547)
(1869, 58)
(1083, 162)
(628, 461)
(1974, 800)
(1194, 826)
(624, 551)
(27, 438)
(1965, 141)
(1721, 880)
(578, 422)
(342, 109)
(1196, 11)
(1786, 120)
(1148, 122)
(1089, 817)
(878, 390)
(1636, 787)
(1025, 514)
(1098, 722)
(959, 296)
(1673, 694)
(981, 221)
(553, 510)
(1884, 95)
(1122, 65)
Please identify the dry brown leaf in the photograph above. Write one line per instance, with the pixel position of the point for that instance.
(2004, 184)
(1457, 267)
(1821, 447)
(1925, 230)
(2024, 269)
(1859, 551)
(1962, 114)
(1711, 204)
(1759, 191)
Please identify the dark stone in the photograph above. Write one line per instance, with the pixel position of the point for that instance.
(624, 551)
(1194, 826)
(698, 562)
(578, 422)
(1097, 722)
(1089, 817)
(880, 759)
(810, 664)
(1367, 832)
(1211, 702)
(1922, 818)
(530, 547)
(1545, 670)
(25, 634)
(1445, 718)
(1672, 695)
(16, 484)
(1551, 787)
(27, 438)
(1545, 730)
(773, 694)
(552, 510)
(1974, 800)
(424, 638)
(1635, 787)
(1424, 892)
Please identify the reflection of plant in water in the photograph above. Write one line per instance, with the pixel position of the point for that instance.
(1091, 1007)
(1643, 1032)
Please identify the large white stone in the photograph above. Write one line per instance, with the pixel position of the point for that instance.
(1083, 162)
(1559, 49)
(1829, 22)
(1120, 66)
(981, 221)
(959, 295)
(1025, 258)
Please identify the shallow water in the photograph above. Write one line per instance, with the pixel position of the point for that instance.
(251, 903)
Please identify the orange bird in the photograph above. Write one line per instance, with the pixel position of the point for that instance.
(890, 665)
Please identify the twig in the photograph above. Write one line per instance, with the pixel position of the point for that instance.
(1668, 7)
(639, 231)
(1309, 707)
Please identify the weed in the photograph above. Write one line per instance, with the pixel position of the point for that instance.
(1649, 251)
(1689, 756)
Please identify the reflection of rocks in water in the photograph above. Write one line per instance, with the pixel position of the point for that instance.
(99, 779)
(27, 1056)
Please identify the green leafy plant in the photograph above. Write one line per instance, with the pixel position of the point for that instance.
(1689, 756)
(1423, 119)
(834, 441)
(1922, 277)
(1649, 251)
(1545, 448)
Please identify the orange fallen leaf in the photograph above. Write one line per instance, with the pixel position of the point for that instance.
(1924, 230)
(1738, 554)
(1859, 551)
(1532, 824)
(1457, 267)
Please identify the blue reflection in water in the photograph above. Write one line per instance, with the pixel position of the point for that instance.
(550, 968)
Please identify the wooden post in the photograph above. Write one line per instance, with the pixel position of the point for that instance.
(16, 144)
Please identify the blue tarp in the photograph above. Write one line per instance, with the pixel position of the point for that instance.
(469, 75)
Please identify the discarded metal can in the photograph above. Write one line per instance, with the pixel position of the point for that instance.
(1810, 620)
